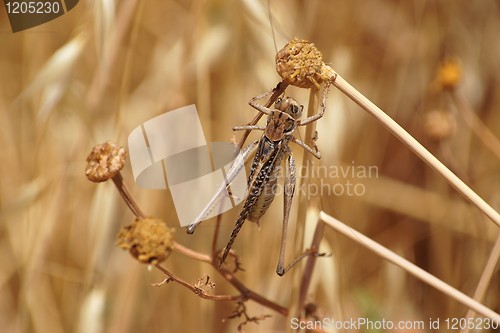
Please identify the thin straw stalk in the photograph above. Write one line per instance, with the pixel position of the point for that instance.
(409, 267)
(416, 147)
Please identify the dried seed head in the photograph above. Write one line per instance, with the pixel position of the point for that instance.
(439, 124)
(149, 240)
(301, 64)
(449, 74)
(105, 161)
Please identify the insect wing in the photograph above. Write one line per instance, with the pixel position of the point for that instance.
(221, 193)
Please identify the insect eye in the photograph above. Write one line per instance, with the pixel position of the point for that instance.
(278, 101)
(296, 108)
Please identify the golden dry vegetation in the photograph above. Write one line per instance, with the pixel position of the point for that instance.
(105, 67)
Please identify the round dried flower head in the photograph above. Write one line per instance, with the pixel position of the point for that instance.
(149, 240)
(449, 74)
(301, 64)
(105, 161)
(439, 124)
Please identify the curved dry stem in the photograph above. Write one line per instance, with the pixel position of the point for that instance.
(191, 253)
(127, 197)
(197, 290)
(249, 294)
(245, 293)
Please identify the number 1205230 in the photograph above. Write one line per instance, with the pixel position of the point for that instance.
(471, 323)
(33, 7)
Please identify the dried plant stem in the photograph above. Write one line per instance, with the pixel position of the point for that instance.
(127, 197)
(191, 253)
(409, 267)
(416, 147)
(485, 280)
(198, 291)
(310, 130)
(245, 293)
(249, 294)
(305, 206)
(310, 263)
(477, 126)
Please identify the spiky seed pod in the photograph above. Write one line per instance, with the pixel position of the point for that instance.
(105, 161)
(149, 240)
(301, 64)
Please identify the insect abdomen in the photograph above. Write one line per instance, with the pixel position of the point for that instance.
(265, 198)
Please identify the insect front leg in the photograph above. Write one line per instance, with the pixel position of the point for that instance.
(261, 96)
(289, 189)
(276, 92)
(317, 116)
(253, 102)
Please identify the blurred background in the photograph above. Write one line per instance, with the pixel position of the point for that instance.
(107, 66)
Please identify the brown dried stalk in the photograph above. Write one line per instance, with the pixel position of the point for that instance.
(194, 288)
(484, 281)
(417, 148)
(290, 65)
(300, 63)
(105, 162)
(240, 311)
(309, 268)
(409, 267)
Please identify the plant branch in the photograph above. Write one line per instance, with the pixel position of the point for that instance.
(485, 279)
(245, 293)
(228, 276)
(191, 253)
(197, 290)
(310, 263)
(409, 267)
(127, 197)
(416, 147)
(249, 294)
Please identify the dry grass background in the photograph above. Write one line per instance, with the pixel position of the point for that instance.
(107, 66)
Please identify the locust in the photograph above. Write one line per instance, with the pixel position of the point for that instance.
(270, 151)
